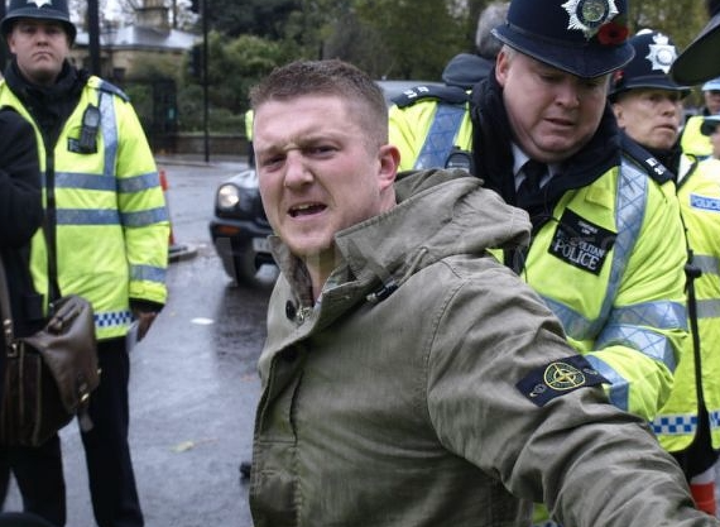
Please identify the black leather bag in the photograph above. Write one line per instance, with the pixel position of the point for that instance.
(50, 375)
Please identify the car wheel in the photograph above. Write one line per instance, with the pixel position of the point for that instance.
(245, 268)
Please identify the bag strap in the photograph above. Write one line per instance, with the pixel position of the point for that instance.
(7, 321)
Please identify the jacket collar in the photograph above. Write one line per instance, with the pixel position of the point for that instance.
(439, 213)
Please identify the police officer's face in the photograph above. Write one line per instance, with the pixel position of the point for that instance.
(553, 114)
(651, 117)
(712, 100)
(40, 47)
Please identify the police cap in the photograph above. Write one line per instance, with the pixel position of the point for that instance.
(587, 38)
(40, 10)
(654, 56)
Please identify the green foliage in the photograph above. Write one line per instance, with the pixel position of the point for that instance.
(235, 65)
(420, 36)
(397, 39)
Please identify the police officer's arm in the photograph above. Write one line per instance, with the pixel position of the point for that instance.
(142, 206)
(639, 347)
(21, 209)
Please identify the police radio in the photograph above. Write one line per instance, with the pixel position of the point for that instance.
(460, 159)
(89, 129)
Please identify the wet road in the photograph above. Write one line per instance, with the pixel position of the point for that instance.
(193, 381)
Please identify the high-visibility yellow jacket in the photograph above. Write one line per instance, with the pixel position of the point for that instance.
(693, 141)
(610, 264)
(112, 223)
(699, 196)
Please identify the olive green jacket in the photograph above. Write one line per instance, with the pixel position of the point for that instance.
(394, 400)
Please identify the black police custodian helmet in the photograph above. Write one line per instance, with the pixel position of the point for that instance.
(654, 56)
(41, 10)
(586, 38)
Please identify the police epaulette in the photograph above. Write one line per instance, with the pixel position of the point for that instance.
(649, 163)
(108, 87)
(446, 94)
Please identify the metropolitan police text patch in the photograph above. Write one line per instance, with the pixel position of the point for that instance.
(559, 378)
(581, 243)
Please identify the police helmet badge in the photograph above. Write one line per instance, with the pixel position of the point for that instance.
(40, 3)
(589, 15)
(662, 53)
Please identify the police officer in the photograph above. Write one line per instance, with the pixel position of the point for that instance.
(539, 131)
(693, 140)
(648, 107)
(105, 238)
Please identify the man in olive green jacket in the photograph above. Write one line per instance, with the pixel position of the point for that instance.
(409, 379)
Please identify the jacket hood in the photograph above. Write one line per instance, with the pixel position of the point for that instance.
(440, 213)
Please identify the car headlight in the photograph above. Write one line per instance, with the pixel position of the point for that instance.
(228, 196)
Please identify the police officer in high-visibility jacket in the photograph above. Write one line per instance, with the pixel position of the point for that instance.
(607, 253)
(649, 109)
(105, 238)
(693, 141)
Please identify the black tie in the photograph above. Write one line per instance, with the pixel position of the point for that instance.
(534, 172)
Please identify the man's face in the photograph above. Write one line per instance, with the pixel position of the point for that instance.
(712, 101)
(40, 47)
(553, 114)
(318, 171)
(651, 117)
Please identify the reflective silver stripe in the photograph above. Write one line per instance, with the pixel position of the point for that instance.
(108, 125)
(707, 264)
(441, 136)
(145, 217)
(88, 217)
(574, 324)
(619, 390)
(631, 199)
(708, 308)
(147, 272)
(104, 182)
(650, 343)
(660, 315)
(85, 181)
(138, 183)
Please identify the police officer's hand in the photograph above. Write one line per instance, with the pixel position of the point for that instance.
(145, 320)
(144, 313)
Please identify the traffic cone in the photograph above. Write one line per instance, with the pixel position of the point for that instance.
(702, 488)
(176, 251)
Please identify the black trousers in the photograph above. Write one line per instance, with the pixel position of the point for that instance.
(107, 453)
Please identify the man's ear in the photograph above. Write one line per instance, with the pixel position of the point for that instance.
(389, 158)
(618, 111)
(501, 67)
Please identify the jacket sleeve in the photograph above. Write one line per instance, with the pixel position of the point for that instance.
(584, 458)
(21, 209)
(641, 342)
(142, 207)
